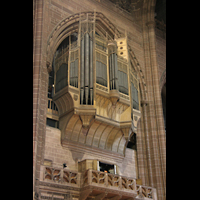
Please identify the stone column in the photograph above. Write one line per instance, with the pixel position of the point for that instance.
(158, 131)
(37, 40)
(148, 142)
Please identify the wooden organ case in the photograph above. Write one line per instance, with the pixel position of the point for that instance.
(96, 89)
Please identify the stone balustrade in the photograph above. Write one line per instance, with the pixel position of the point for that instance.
(99, 179)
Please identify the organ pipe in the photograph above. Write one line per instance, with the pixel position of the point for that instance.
(82, 70)
(113, 70)
(76, 72)
(116, 72)
(110, 70)
(91, 71)
(86, 67)
(87, 64)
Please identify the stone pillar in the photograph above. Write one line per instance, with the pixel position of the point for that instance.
(158, 131)
(38, 5)
(148, 143)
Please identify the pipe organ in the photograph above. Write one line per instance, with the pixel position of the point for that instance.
(74, 68)
(86, 66)
(113, 67)
(96, 89)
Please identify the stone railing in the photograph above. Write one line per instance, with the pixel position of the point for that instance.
(144, 191)
(98, 179)
(61, 176)
(103, 179)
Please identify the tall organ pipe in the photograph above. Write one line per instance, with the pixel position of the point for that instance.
(82, 70)
(91, 71)
(116, 72)
(86, 67)
(113, 70)
(110, 70)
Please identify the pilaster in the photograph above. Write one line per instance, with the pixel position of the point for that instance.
(155, 114)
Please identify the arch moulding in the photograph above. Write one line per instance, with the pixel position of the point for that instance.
(62, 30)
(70, 24)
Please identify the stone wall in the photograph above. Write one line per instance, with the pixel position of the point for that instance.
(57, 154)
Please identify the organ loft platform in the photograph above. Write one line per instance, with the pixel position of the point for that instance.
(91, 184)
(94, 102)
(95, 87)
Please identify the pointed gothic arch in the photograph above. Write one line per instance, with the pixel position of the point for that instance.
(105, 28)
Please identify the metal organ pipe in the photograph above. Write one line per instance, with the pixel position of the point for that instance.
(113, 70)
(76, 72)
(87, 64)
(82, 69)
(91, 71)
(116, 72)
(86, 67)
(110, 70)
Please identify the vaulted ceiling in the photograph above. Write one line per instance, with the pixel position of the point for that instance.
(160, 10)
(134, 5)
(129, 5)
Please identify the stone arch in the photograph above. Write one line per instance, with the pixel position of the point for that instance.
(149, 10)
(140, 73)
(70, 24)
(110, 138)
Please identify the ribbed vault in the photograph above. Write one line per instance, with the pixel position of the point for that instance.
(100, 135)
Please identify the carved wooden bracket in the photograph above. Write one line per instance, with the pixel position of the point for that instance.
(114, 96)
(86, 119)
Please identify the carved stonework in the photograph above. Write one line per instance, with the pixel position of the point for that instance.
(94, 99)
(128, 5)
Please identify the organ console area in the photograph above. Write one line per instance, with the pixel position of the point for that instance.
(95, 88)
